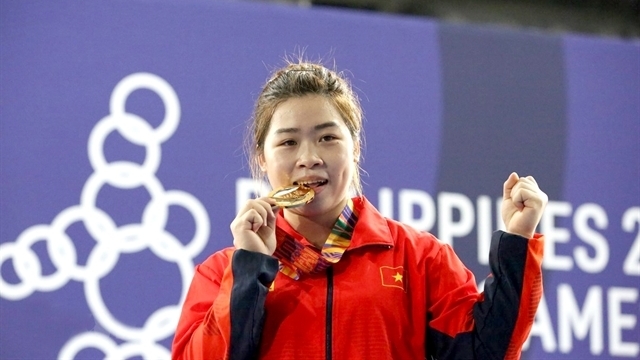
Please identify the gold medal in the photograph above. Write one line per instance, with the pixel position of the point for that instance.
(292, 196)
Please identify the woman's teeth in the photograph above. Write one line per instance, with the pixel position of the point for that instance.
(311, 184)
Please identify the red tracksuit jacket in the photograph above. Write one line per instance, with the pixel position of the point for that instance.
(396, 294)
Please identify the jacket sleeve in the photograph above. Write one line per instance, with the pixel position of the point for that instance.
(223, 313)
(463, 324)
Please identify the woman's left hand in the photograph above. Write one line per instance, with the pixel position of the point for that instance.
(522, 205)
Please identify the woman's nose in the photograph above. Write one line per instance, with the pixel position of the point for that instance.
(309, 156)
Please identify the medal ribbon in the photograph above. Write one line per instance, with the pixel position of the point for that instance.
(297, 259)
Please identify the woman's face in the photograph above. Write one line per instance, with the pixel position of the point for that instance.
(309, 143)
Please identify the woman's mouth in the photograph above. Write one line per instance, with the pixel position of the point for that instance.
(311, 184)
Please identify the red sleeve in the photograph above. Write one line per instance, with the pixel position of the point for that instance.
(231, 284)
(494, 324)
(203, 330)
(529, 298)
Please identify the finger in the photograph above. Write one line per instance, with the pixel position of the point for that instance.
(259, 205)
(271, 220)
(526, 183)
(528, 180)
(246, 221)
(528, 198)
(254, 220)
(509, 184)
(252, 216)
(245, 208)
(270, 210)
(267, 200)
(267, 210)
(262, 208)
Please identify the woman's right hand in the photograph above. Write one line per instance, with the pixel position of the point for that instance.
(254, 228)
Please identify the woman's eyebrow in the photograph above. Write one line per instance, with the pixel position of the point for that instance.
(318, 127)
(325, 125)
(286, 130)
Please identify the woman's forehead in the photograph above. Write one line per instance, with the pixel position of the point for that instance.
(314, 113)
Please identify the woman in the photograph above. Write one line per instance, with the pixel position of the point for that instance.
(333, 279)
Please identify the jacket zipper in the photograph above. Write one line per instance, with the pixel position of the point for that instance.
(328, 320)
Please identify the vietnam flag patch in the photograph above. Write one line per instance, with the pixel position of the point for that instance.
(392, 276)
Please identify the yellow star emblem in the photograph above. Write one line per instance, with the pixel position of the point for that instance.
(392, 276)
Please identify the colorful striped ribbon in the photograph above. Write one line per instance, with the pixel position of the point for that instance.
(297, 259)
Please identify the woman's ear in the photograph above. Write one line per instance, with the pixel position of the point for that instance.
(262, 163)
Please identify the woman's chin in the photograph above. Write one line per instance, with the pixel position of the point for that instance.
(321, 205)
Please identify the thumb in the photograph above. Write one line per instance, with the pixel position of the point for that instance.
(511, 181)
(271, 219)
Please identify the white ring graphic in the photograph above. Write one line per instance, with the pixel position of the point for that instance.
(155, 83)
(110, 240)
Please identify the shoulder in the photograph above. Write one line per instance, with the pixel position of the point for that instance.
(217, 261)
(407, 233)
(396, 232)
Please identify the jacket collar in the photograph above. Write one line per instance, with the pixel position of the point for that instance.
(371, 228)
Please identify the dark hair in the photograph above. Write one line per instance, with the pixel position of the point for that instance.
(297, 80)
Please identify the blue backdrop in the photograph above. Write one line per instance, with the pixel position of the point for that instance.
(121, 156)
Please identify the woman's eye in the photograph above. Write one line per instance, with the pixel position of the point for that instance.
(328, 138)
(288, 143)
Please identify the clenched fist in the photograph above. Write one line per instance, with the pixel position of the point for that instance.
(522, 205)
(254, 228)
